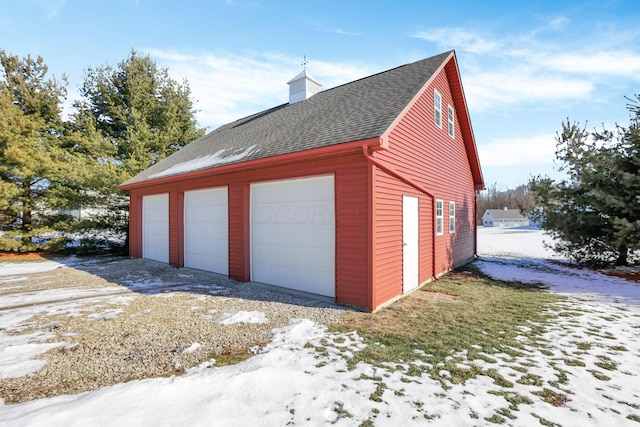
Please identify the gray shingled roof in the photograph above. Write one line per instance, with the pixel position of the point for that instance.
(506, 214)
(354, 111)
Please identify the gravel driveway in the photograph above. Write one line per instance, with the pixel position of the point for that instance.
(96, 322)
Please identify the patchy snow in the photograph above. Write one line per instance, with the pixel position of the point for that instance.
(579, 282)
(243, 317)
(591, 355)
(111, 313)
(47, 295)
(20, 352)
(210, 160)
(193, 348)
(517, 255)
(21, 268)
(12, 271)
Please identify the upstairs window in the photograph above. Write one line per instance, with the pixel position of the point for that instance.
(452, 217)
(439, 217)
(451, 123)
(437, 108)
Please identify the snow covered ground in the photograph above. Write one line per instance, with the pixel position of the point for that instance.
(592, 354)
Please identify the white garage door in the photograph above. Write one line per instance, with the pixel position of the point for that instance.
(206, 235)
(293, 234)
(155, 227)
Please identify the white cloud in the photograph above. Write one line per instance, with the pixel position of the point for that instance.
(321, 27)
(457, 38)
(522, 69)
(534, 150)
(552, 25)
(485, 90)
(559, 23)
(608, 63)
(228, 87)
(343, 32)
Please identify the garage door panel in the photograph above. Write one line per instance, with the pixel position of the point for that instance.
(297, 190)
(206, 236)
(293, 234)
(155, 227)
(290, 256)
(204, 246)
(204, 214)
(315, 279)
(214, 230)
(291, 211)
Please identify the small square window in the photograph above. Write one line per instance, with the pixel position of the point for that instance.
(451, 122)
(437, 108)
(439, 217)
(452, 217)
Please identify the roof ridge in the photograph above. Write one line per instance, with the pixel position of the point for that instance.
(387, 71)
(250, 116)
(356, 110)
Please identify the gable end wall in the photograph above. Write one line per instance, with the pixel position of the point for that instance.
(428, 155)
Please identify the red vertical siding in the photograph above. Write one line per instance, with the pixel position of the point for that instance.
(135, 225)
(351, 204)
(388, 238)
(426, 237)
(176, 228)
(352, 235)
(238, 232)
(388, 218)
(428, 155)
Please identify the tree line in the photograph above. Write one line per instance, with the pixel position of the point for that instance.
(493, 197)
(127, 118)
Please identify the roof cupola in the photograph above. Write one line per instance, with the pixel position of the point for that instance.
(303, 86)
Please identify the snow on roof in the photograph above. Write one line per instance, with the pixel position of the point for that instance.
(207, 161)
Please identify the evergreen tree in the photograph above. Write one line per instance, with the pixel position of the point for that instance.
(627, 173)
(135, 115)
(140, 110)
(594, 214)
(37, 172)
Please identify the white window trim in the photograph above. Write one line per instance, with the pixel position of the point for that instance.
(437, 108)
(452, 217)
(451, 122)
(439, 217)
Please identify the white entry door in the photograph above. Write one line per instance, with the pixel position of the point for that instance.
(155, 227)
(206, 230)
(293, 234)
(410, 248)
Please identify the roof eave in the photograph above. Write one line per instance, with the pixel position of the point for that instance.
(373, 143)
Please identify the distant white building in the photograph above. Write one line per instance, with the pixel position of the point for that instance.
(504, 218)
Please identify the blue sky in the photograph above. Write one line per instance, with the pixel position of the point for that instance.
(525, 65)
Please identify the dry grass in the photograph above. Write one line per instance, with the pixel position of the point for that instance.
(232, 356)
(483, 318)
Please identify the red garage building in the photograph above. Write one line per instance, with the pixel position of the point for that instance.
(359, 193)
